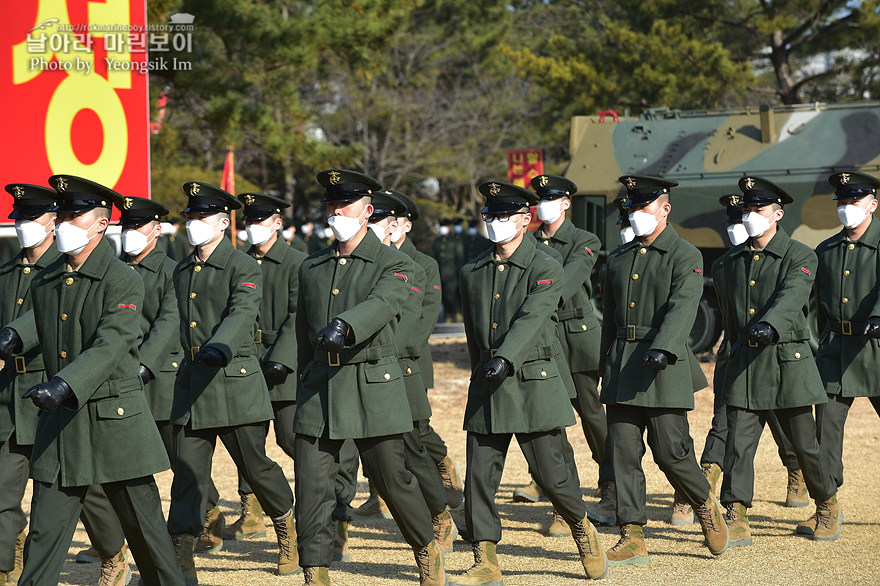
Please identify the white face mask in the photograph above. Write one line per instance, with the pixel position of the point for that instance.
(472, 231)
(549, 210)
(627, 235)
(756, 224)
(306, 230)
(378, 230)
(30, 233)
(345, 228)
(643, 223)
(199, 232)
(851, 215)
(72, 239)
(737, 234)
(258, 234)
(397, 235)
(502, 232)
(134, 242)
(444, 230)
(288, 234)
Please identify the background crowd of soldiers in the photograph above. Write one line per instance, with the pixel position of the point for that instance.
(328, 338)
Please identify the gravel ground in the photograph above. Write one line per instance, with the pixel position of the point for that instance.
(381, 557)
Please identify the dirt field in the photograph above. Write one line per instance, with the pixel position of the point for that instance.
(778, 556)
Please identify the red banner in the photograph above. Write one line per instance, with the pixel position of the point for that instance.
(227, 182)
(73, 77)
(523, 165)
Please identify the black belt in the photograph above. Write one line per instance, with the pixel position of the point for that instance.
(356, 355)
(848, 328)
(635, 333)
(543, 352)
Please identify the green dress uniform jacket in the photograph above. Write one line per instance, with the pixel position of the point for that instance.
(26, 369)
(219, 303)
(579, 328)
(509, 309)
(651, 295)
(87, 323)
(409, 344)
(848, 293)
(276, 338)
(297, 243)
(359, 392)
(160, 349)
(448, 251)
(771, 286)
(431, 305)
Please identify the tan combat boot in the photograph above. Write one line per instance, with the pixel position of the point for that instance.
(711, 518)
(445, 531)
(4, 578)
(373, 508)
(115, 570)
(285, 535)
(15, 574)
(451, 482)
(808, 525)
(340, 541)
(211, 539)
(318, 576)
(829, 518)
(530, 493)
(630, 548)
(682, 514)
(712, 473)
(592, 556)
(250, 524)
(737, 519)
(430, 560)
(183, 547)
(605, 511)
(558, 526)
(485, 571)
(796, 495)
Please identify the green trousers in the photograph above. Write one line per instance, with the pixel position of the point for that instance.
(830, 420)
(283, 425)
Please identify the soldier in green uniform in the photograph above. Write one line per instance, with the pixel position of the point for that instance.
(848, 297)
(351, 383)
(220, 390)
(763, 286)
(448, 250)
(276, 338)
(510, 294)
(96, 426)
(652, 288)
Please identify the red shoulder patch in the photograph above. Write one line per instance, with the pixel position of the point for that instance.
(698, 271)
(437, 286)
(127, 306)
(588, 250)
(401, 276)
(251, 285)
(414, 289)
(806, 270)
(545, 282)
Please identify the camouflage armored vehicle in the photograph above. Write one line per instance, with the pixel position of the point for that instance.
(707, 152)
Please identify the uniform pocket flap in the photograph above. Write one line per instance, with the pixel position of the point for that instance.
(121, 407)
(242, 367)
(574, 326)
(793, 352)
(380, 373)
(539, 369)
(172, 363)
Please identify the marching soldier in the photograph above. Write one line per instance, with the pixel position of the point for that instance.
(96, 426)
(220, 390)
(448, 250)
(276, 338)
(763, 286)
(351, 384)
(848, 297)
(510, 294)
(579, 330)
(652, 288)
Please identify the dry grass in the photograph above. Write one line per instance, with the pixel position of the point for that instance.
(381, 557)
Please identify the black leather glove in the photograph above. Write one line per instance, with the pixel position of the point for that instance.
(655, 360)
(497, 369)
(872, 327)
(10, 343)
(145, 374)
(211, 356)
(763, 334)
(275, 372)
(331, 338)
(48, 395)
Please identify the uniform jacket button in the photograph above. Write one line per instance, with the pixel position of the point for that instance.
(632, 304)
(751, 311)
(845, 300)
(584, 327)
(64, 317)
(198, 269)
(63, 354)
(543, 374)
(635, 276)
(643, 251)
(496, 296)
(387, 376)
(192, 295)
(120, 411)
(851, 246)
(27, 270)
(757, 257)
(335, 291)
(797, 354)
(19, 301)
(68, 281)
(173, 365)
(192, 324)
(501, 268)
(751, 283)
(243, 371)
(494, 326)
(409, 370)
(342, 261)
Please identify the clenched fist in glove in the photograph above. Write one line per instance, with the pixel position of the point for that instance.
(48, 395)
(275, 373)
(332, 337)
(10, 343)
(872, 327)
(762, 334)
(497, 369)
(655, 360)
(210, 356)
(144, 374)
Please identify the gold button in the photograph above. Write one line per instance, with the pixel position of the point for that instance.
(387, 376)
(751, 283)
(846, 273)
(243, 371)
(543, 374)
(501, 268)
(643, 251)
(198, 268)
(192, 324)
(751, 311)
(632, 304)
(851, 246)
(63, 317)
(584, 327)
(173, 365)
(342, 261)
(547, 242)
(494, 326)
(120, 411)
(496, 296)
(62, 354)
(409, 371)
(797, 354)
(27, 270)
(19, 301)
(192, 295)
(68, 281)
(756, 257)
(335, 291)
(635, 276)
(845, 300)
(260, 261)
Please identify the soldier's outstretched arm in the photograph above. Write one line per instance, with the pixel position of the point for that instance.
(793, 296)
(579, 265)
(680, 311)
(242, 308)
(384, 302)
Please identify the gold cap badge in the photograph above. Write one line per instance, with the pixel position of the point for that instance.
(61, 184)
(844, 178)
(494, 189)
(334, 177)
(749, 182)
(127, 203)
(249, 200)
(734, 200)
(194, 189)
(544, 181)
(18, 191)
(631, 182)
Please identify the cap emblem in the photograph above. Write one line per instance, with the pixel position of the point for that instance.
(18, 191)
(544, 181)
(127, 203)
(734, 200)
(334, 177)
(844, 178)
(61, 184)
(749, 182)
(194, 189)
(249, 200)
(494, 189)
(631, 182)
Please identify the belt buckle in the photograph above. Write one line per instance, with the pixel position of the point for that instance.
(492, 353)
(630, 333)
(192, 353)
(259, 338)
(753, 344)
(846, 328)
(19, 365)
(330, 359)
